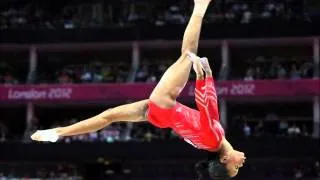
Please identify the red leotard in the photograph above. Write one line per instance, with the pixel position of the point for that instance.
(201, 128)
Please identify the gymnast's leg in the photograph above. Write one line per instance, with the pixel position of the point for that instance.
(176, 76)
(133, 112)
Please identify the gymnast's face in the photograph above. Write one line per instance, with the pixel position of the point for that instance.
(234, 160)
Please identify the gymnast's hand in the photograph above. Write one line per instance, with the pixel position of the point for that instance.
(197, 67)
(200, 64)
(49, 135)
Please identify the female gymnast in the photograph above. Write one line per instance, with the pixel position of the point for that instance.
(201, 128)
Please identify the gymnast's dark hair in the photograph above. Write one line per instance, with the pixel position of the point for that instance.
(212, 168)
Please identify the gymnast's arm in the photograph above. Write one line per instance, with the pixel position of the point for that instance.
(210, 91)
(134, 112)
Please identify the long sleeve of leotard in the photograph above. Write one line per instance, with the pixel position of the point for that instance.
(212, 99)
(206, 99)
(199, 94)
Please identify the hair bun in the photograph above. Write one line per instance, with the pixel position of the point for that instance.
(201, 167)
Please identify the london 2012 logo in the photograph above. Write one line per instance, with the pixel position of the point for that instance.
(39, 93)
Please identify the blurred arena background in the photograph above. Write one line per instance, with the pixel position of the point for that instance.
(64, 61)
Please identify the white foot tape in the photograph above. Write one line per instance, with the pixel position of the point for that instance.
(48, 135)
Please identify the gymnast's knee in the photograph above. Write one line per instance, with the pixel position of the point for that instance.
(108, 115)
